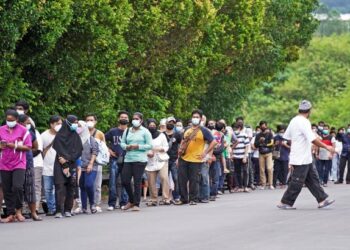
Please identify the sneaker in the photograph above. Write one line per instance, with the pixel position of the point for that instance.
(98, 209)
(325, 185)
(204, 201)
(110, 208)
(179, 203)
(78, 210)
(285, 207)
(220, 193)
(212, 198)
(272, 187)
(50, 213)
(338, 182)
(67, 214)
(136, 209)
(326, 203)
(193, 203)
(58, 216)
(262, 187)
(127, 206)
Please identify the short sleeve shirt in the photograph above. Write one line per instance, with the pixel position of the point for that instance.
(11, 159)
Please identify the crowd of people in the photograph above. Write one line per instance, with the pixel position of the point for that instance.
(159, 163)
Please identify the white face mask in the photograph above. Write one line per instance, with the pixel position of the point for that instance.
(58, 127)
(11, 124)
(195, 121)
(136, 123)
(20, 112)
(28, 126)
(90, 124)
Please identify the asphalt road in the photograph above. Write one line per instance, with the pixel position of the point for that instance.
(235, 221)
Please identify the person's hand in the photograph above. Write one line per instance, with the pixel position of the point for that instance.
(10, 145)
(290, 167)
(62, 160)
(177, 163)
(89, 168)
(244, 160)
(262, 140)
(112, 153)
(203, 156)
(150, 154)
(330, 149)
(134, 146)
(66, 172)
(3, 144)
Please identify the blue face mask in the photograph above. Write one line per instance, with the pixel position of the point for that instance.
(72, 126)
(325, 132)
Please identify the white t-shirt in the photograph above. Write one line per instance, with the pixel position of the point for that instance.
(299, 132)
(38, 160)
(255, 151)
(153, 163)
(49, 159)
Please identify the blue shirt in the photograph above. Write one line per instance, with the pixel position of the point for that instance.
(141, 137)
(284, 151)
(345, 139)
(114, 137)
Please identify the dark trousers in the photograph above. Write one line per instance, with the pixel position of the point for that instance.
(241, 170)
(280, 172)
(303, 174)
(342, 165)
(231, 177)
(12, 186)
(214, 175)
(133, 170)
(87, 188)
(324, 167)
(175, 175)
(65, 195)
(189, 172)
(256, 169)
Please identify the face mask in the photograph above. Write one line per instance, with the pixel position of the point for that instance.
(348, 130)
(211, 127)
(123, 122)
(219, 128)
(74, 127)
(152, 130)
(170, 126)
(179, 129)
(320, 128)
(20, 112)
(11, 124)
(90, 124)
(325, 132)
(136, 123)
(58, 127)
(79, 130)
(195, 121)
(28, 126)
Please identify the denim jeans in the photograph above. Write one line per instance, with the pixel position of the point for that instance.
(114, 173)
(204, 189)
(222, 175)
(49, 187)
(214, 173)
(335, 167)
(175, 175)
(324, 168)
(87, 188)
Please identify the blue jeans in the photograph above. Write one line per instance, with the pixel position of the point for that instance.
(87, 188)
(222, 175)
(335, 167)
(49, 187)
(324, 168)
(174, 173)
(114, 173)
(204, 189)
(214, 173)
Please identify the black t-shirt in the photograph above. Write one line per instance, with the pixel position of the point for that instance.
(262, 144)
(174, 141)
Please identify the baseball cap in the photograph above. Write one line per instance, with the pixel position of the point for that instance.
(171, 119)
(305, 105)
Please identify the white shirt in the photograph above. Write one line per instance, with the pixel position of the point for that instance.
(154, 164)
(49, 159)
(38, 160)
(299, 132)
(255, 151)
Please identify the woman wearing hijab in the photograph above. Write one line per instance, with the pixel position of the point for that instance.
(89, 167)
(137, 141)
(68, 147)
(14, 142)
(29, 182)
(158, 164)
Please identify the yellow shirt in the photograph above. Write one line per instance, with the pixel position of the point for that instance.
(196, 147)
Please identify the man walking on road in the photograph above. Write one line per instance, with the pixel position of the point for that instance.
(300, 134)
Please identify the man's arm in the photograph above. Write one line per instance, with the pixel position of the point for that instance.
(317, 142)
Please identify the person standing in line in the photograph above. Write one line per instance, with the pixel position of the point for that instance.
(192, 154)
(281, 159)
(301, 136)
(264, 142)
(137, 141)
(38, 169)
(113, 138)
(15, 141)
(49, 154)
(91, 121)
(344, 138)
(69, 148)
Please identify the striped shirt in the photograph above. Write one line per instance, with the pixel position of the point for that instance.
(243, 142)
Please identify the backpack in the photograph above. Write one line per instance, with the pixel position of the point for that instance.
(103, 152)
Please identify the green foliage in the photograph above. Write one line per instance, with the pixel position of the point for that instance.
(158, 57)
(321, 75)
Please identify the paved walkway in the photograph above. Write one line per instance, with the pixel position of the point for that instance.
(235, 221)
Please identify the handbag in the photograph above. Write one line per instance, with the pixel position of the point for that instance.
(276, 154)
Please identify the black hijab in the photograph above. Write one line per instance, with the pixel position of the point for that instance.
(154, 133)
(67, 143)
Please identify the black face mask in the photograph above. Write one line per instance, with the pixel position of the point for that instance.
(170, 126)
(152, 130)
(123, 122)
(211, 127)
(219, 128)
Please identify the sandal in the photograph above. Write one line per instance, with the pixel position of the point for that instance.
(20, 218)
(326, 203)
(285, 207)
(8, 219)
(152, 204)
(127, 206)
